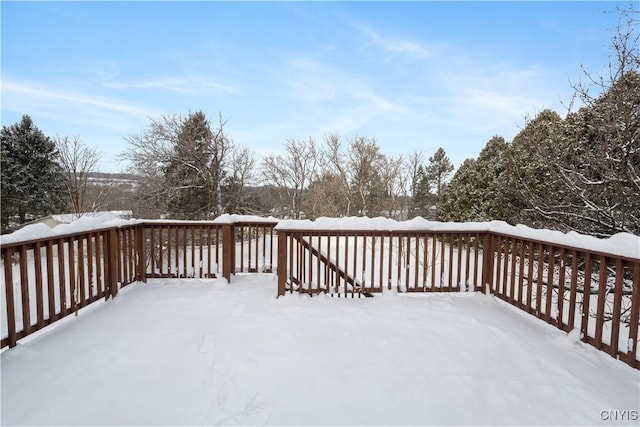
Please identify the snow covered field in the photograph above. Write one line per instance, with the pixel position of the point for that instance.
(203, 352)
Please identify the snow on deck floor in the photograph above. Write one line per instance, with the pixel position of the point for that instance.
(202, 352)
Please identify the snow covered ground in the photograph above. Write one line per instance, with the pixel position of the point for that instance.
(205, 352)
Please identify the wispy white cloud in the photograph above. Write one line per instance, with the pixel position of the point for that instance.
(317, 82)
(58, 111)
(311, 80)
(314, 89)
(331, 98)
(378, 103)
(170, 84)
(394, 45)
(497, 96)
(42, 94)
(185, 86)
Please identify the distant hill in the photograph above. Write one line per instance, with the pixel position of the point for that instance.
(111, 178)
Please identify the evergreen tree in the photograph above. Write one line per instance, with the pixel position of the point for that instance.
(439, 170)
(596, 165)
(595, 156)
(458, 202)
(31, 177)
(477, 191)
(422, 199)
(188, 170)
(529, 162)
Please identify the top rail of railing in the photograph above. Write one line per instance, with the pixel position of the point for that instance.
(622, 245)
(41, 232)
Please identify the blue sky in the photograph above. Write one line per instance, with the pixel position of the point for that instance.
(414, 75)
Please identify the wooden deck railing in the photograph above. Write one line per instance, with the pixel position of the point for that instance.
(570, 288)
(595, 293)
(47, 279)
(356, 262)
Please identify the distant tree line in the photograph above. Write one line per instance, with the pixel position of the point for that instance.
(580, 172)
(336, 178)
(190, 168)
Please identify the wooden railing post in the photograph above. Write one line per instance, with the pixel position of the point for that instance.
(228, 250)
(487, 263)
(111, 263)
(10, 304)
(141, 244)
(282, 262)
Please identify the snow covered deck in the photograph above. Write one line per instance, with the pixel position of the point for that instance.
(203, 352)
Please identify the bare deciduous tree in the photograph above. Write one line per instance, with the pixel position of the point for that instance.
(336, 167)
(394, 183)
(148, 155)
(78, 161)
(242, 174)
(292, 172)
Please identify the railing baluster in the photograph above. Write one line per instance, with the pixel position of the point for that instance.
(550, 274)
(99, 273)
(271, 249)
(310, 264)
(498, 266)
(602, 288)
(586, 297)
(561, 279)
(328, 276)
(459, 244)
(530, 257)
(24, 291)
(283, 254)
(512, 276)
(521, 273)
(450, 263)
(380, 262)
(176, 249)
(39, 291)
(81, 281)
(346, 266)
(539, 283)
(634, 318)
(574, 291)
(50, 283)
(406, 263)
(468, 284)
(291, 252)
(617, 304)
(504, 285)
(318, 278)
(476, 249)
(185, 264)
(90, 255)
(433, 261)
